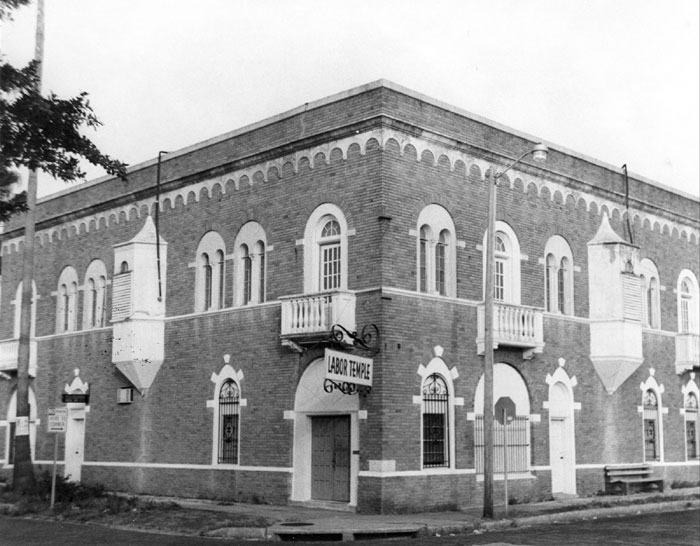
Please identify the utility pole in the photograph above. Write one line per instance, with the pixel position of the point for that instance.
(23, 473)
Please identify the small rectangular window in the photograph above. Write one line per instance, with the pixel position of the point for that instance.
(125, 395)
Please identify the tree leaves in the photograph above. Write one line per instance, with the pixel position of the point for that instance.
(43, 132)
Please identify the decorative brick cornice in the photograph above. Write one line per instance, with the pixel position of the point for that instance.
(426, 147)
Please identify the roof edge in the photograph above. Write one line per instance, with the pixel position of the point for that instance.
(381, 83)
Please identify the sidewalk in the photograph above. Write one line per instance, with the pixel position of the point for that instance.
(305, 523)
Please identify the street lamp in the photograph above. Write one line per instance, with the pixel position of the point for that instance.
(539, 153)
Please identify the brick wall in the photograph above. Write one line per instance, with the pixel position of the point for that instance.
(381, 191)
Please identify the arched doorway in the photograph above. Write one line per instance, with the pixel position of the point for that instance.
(326, 441)
(515, 436)
(562, 450)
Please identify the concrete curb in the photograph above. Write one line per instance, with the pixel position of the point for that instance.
(257, 533)
(568, 516)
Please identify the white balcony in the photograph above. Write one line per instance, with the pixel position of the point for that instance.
(687, 352)
(513, 326)
(9, 349)
(308, 318)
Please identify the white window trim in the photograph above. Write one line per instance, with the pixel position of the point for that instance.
(658, 389)
(512, 270)
(210, 243)
(559, 248)
(226, 373)
(437, 220)
(96, 272)
(17, 302)
(694, 302)
(438, 366)
(252, 235)
(69, 279)
(649, 273)
(312, 238)
(691, 388)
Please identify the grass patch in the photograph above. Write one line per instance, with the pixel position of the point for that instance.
(91, 503)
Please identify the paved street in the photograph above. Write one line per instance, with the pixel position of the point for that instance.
(672, 529)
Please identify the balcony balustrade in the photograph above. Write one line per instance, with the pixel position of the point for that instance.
(513, 326)
(9, 350)
(687, 352)
(309, 317)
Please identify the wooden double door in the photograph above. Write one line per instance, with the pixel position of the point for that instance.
(330, 458)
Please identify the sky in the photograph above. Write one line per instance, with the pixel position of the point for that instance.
(615, 80)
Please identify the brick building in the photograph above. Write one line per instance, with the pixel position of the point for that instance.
(200, 332)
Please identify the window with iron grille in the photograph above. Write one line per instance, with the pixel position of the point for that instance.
(435, 422)
(650, 406)
(229, 421)
(691, 425)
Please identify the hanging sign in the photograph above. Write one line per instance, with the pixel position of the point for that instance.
(58, 417)
(348, 368)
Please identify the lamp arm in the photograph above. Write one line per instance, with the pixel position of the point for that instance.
(509, 167)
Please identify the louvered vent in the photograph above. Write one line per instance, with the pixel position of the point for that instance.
(121, 297)
(631, 297)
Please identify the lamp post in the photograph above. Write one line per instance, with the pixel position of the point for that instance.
(539, 153)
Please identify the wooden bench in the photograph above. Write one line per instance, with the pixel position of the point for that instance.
(621, 476)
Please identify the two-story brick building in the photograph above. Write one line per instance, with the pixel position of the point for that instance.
(196, 312)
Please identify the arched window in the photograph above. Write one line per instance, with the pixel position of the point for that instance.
(209, 273)
(17, 302)
(650, 409)
(551, 280)
(506, 287)
(691, 426)
(329, 244)
(559, 278)
(249, 267)
(436, 448)
(502, 255)
(229, 422)
(325, 250)
(688, 303)
(436, 252)
(423, 259)
(259, 253)
(95, 294)
(67, 301)
(649, 283)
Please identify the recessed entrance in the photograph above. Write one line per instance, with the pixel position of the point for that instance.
(330, 458)
(326, 442)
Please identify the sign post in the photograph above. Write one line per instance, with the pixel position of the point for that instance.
(505, 412)
(58, 418)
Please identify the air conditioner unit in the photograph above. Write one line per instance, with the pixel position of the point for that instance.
(125, 395)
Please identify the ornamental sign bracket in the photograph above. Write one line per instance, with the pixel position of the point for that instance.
(367, 340)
